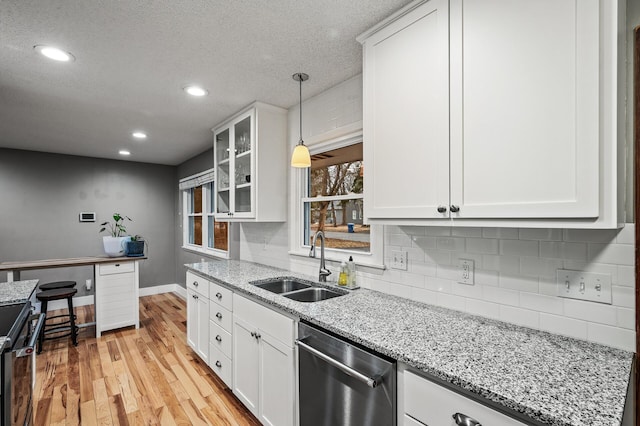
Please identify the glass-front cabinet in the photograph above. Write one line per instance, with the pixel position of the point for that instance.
(239, 194)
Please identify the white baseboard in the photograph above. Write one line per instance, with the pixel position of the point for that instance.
(144, 291)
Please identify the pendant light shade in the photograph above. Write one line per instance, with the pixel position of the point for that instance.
(300, 157)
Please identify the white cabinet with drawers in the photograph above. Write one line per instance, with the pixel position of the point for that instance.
(198, 315)
(116, 295)
(221, 332)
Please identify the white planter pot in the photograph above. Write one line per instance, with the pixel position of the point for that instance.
(114, 246)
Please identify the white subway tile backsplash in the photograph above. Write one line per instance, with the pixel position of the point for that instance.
(483, 308)
(400, 240)
(563, 325)
(552, 249)
(548, 286)
(411, 230)
(466, 232)
(483, 245)
(542, 303)
(626, 276)
(426, 269)
(438, 231)
(500, 233)
(502, 264)
(424, 296)
(424, 242)
(484, 277)
(627, 235)
(620, 254)
(612, 336)
(465, 290)
(448, 272)
(590, 235)
(541, 234)
(437, 257)
(626, 318)
(438, 285)
(539, 267)
(519, 248)
(600, 268)
(520, 316)
(590, 311)
(501, 295)
(451, 301)
(450, 243)
(528, 284)
(623, 296)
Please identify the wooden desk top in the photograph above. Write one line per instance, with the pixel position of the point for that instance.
(60, 263)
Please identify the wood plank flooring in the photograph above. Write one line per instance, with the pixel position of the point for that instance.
(148, 376)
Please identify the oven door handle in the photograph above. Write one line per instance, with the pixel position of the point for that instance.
(28, 350)
(372, 382)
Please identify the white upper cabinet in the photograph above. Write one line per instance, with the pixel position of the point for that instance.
(251, 165)
(493, 113)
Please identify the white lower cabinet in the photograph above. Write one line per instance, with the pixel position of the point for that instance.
(427, 403)
(116, 296)
(263, 365)
(221, 332)
(198, 324)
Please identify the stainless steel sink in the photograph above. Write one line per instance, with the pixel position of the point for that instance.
(283, 285)
(313, 294)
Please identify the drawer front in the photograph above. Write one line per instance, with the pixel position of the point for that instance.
(274, 323)
(221, 365)
(222, 296)
(220, 316)
(221, 339)
(197, 284)
(115, 268)
(433, 404)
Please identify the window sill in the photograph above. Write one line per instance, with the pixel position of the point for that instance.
(331, 257)
(207, 252)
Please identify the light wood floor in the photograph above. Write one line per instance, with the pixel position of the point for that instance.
(148, 376)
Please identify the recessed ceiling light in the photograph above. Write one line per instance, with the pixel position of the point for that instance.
(195, 90)
(124, 152)
(54, 53)
(139, 135)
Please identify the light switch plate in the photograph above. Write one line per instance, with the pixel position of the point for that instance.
(399, 260)
(466, 272)
(581, 285)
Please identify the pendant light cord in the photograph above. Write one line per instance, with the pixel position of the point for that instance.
(300, 76)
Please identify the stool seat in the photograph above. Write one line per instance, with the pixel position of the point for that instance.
(57, 284)
(55, 294)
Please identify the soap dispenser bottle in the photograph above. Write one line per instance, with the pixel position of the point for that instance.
(351, 267)
(343, 278)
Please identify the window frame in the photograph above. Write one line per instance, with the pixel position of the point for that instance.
(299, 195)
(207, 196)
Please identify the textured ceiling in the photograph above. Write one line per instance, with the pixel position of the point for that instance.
(134, 56)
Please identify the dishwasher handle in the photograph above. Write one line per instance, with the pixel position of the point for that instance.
(372, 382)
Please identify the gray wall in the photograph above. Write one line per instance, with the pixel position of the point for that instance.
(194, 165)
(41, 195)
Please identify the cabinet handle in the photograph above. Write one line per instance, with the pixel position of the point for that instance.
(462, 420)
(218, 364)
(454, 208)
(258, 336)
(219, 315)
(253, 334)
(117, 265)
(442, 209)
(195, 283)
(219, 295)
(194, 296)
(218, 338)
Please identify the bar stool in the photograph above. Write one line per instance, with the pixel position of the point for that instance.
(58, 294)
(57, 284)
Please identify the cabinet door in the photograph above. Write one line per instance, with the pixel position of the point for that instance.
(243, 165)
(246, 364)
(222, 160)
(406, 115)
(202, 347)
(192, 319)
(525, 108)
(276, 382)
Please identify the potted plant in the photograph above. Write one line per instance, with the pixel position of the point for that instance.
(114, 244)
(135, 246)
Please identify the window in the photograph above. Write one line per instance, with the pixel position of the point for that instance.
(331, 199)
(201, 231)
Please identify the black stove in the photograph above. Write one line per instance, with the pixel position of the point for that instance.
(12, 317)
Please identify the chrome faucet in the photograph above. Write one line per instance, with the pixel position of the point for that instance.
(324, 272)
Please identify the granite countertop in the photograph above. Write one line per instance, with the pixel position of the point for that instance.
(549, 378)
(16, 291)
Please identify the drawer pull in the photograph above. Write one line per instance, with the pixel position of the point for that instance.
(463, 420)
(219, 315)
(219, 365)
(195, 283)
(442, 209)
(219, 296)
(258, 336)
(117, 265)
(253, 334)
(218, 338)
(194, 296)
(454, 208)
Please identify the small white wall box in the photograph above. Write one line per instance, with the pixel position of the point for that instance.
(87, 216)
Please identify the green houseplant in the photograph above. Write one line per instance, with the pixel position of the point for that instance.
(114, 244)
(135, 246)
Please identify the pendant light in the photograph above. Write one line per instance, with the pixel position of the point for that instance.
(301, 157)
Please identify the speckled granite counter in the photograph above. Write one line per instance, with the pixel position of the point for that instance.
(16, 291)
(549, 378)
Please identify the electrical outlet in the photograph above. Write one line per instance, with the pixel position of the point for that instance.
(584, 285)
(466, 272)
(399, 260)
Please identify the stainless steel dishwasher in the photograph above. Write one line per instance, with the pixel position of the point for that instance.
(342, 384)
